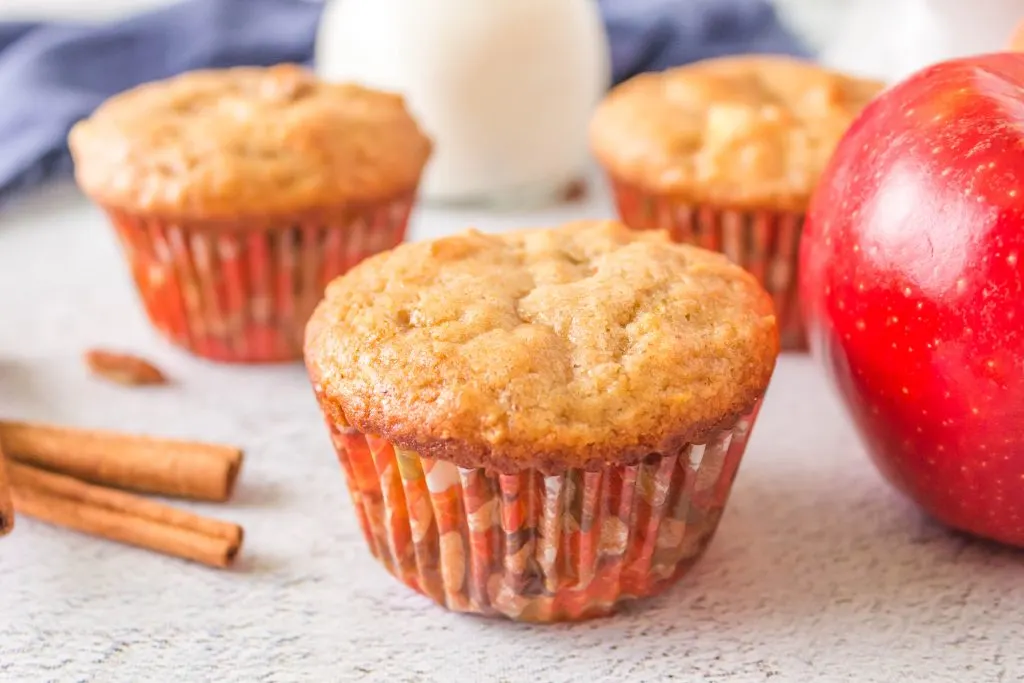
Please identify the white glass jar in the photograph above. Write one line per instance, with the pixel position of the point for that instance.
(504, 87)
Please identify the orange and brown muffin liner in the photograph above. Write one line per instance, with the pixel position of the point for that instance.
(765, 243)
(239, 293)
(536, 547)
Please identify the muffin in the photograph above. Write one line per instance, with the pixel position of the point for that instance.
(1017, 39)
(725, 154)
(238, 194)
(544, 423)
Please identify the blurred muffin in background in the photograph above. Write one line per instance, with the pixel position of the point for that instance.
(238, 194)
(725, 153)
(1017, 39)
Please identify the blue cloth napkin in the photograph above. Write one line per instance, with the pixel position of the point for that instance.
(53, 74)
(652, 35)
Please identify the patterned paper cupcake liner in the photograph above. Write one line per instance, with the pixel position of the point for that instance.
(234, 294)
(532, 547)
(766, 243)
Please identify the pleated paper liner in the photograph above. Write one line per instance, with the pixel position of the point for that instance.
(532, 547)
(237, 294)
(765, 243)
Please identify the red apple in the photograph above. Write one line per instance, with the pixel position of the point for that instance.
(912, 280)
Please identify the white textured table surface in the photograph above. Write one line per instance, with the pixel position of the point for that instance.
(819, 571)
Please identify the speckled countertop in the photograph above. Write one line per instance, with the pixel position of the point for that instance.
(819, 571)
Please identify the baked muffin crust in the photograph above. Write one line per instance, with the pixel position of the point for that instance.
(737, 132)
(247, 141)
(581, 346)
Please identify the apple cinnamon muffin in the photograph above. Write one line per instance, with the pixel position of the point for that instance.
(239, 193)
(543, 423)
(725, 153)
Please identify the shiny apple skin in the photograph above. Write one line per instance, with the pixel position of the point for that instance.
(912, 282)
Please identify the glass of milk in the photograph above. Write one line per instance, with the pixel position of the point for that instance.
(504, 87)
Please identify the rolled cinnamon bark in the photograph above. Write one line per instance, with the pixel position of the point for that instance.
(119, 516)
(6, 504)
(181, 469)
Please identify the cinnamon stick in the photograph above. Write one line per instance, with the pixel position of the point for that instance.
(181, 469)
(123, 517)
(6, 505)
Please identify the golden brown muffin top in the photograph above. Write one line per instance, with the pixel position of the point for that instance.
(580, 346)
(738, 132)
(247, 141)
